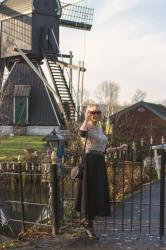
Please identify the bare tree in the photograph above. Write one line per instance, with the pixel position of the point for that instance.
(107, 94)
(86, 98)
(139, 96)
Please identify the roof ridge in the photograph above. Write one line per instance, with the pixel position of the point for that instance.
(148, 105)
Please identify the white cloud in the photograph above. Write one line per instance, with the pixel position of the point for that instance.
(110, 9)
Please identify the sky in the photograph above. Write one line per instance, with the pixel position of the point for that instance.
(127, 45)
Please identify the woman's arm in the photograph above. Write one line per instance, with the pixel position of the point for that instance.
(83, 133)
(84, 129)
(84, 126)
(113, 149)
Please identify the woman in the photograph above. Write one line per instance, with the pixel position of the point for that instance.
(93, 191)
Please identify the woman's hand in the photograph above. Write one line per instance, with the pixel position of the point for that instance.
(110, 150)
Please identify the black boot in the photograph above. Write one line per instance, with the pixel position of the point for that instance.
(89, 229)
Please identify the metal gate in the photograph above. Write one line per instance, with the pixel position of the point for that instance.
(137, 193)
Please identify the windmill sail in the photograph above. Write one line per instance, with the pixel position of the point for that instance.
(75, 16)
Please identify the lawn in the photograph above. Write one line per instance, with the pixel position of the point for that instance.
(12, 146)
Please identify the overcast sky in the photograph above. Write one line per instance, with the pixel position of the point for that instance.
(127, 44)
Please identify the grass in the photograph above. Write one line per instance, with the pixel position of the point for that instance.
(12, 146)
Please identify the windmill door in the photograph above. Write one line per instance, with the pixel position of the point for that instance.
(21, 110)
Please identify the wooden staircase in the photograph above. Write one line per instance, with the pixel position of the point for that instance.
(61, 88)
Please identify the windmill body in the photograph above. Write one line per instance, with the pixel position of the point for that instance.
(29, 38)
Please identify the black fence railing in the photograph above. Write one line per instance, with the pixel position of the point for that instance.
(42, 195)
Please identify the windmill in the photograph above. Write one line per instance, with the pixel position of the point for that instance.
(35, 91)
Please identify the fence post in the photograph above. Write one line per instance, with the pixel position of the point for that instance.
(21, 195)
(54, 195)
(162, 192)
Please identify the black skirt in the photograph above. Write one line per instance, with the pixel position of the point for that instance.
(93, 190)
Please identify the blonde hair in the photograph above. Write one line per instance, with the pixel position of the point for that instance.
(93, 107)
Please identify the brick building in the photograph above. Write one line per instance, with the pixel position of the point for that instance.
(142, 122)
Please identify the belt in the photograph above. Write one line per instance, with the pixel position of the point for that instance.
(95, 152)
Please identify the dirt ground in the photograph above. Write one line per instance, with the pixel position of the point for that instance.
(106, 241)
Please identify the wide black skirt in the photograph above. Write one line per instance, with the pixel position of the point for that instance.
(93, 190)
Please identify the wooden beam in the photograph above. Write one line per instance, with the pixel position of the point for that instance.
(70, 66)
(5, 17)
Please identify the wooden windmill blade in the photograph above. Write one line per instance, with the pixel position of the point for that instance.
(27, 23)
(76, 16)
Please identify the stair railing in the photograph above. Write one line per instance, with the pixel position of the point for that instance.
(60, 103)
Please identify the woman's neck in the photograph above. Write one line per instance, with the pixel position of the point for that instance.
(93, 124)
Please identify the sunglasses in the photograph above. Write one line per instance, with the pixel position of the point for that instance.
(95, 112)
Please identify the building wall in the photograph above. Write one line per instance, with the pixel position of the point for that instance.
(40, 130)
(6, 130)
(29, 130)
